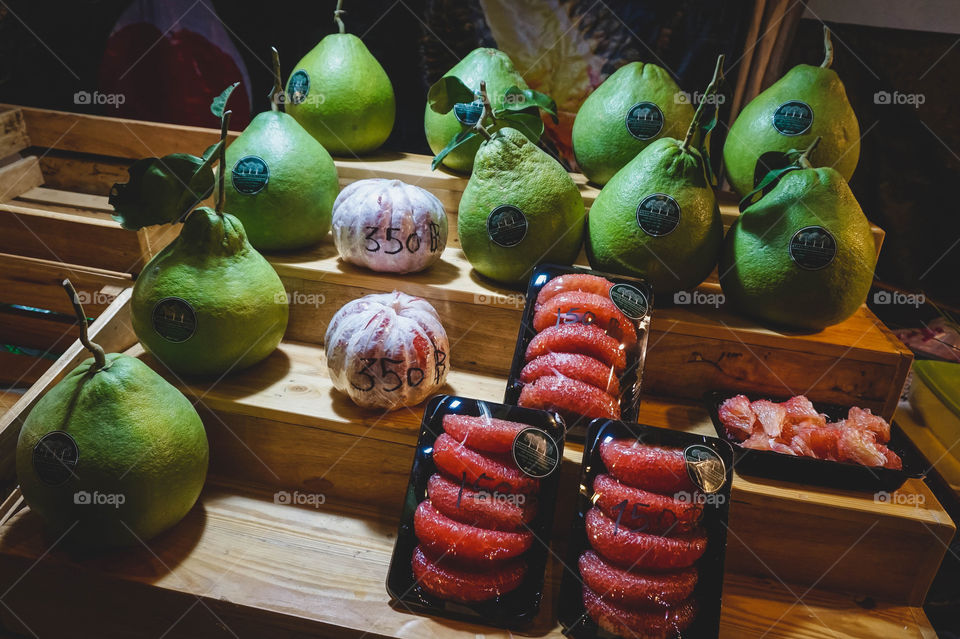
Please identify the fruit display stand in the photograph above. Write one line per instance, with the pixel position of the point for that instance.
(801, 562)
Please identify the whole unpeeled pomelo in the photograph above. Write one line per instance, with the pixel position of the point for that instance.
(281, 183)
(342, 96)
(519, 209)
(803, 255)
(114, 455)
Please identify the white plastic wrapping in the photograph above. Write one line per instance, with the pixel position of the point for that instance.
(387, 350)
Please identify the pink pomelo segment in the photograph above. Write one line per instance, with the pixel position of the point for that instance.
(635, 589)
(447, 581)
(575, 366)
(634, 624)
(480, 471)
(653, 468)
(445, 537)
(571, 398)
(579, 338)
(497, 511)
(574, 282)
(483, 433)
(586, 308)
(645, 511)
(637, 551)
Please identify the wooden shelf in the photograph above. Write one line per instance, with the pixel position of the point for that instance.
(243, 565)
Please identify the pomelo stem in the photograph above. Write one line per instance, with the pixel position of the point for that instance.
(487, 111)
(99, 357)
(804, 159)
(712, 89)
(221, 170)
(827, 48)
(277, 85)
(336, 16)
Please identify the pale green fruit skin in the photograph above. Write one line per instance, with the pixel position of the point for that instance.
(239, 301)
(683, 258)
(137, 436)
(753, 134)
(496, 69)
(510, 169)
(761, 280)
(358, 105)
(295, 207)
(601, 142)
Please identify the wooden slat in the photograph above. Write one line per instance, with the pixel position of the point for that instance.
(74, 238)
(36, 330)
(19, 176)
(19, 370)
(264, 569)
(74, 172)
(29, 281)
(13, 131)
(111, 330)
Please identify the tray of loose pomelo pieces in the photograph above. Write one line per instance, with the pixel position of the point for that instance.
(293, 532)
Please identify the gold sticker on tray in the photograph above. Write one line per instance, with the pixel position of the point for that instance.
(705, 468)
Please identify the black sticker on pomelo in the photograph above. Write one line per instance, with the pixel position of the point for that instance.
(250, 174)
(174, 319)
(535, 452)
(630, 300)
(506, 225)
(644, 120)
(658, 214)
(705, 468)
(812, 248)
(55, 457)
(793, 118)
(298, 87)
(467, 113)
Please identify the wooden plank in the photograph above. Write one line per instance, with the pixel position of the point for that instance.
(19, 176)
(265, 569)
(44, 332)
(111, 330)
(56, 199)
(19, 370)
(74, 172)
(74, 238)
(29, 281)
(13, 131)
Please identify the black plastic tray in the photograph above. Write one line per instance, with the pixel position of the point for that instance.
(709, 590)
(517, 608)
(819, 472)
(630, 381)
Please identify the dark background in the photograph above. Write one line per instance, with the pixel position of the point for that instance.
(905, 182)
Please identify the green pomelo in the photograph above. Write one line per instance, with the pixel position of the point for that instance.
(602, 138)
(342, 96)
(519, 209)
(209, 303)
(803, 255)
(496, 69)
(282, 184)
(137, 461)
(658, 219)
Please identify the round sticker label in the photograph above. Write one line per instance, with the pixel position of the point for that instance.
(658, 214)
(793, 118)
(535, 452)
(174, 319)
(55, 457)
(298, 87)
(644, 120)
(250, 174)
(812, 248)
(506, 225)
(630, 300)
(705, 468)
(467, 113)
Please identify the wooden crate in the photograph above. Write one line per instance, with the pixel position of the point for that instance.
(280, 571)
(265, 569)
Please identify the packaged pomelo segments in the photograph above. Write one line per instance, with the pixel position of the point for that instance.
(649, 535)
(474, 536)
(582, 345)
